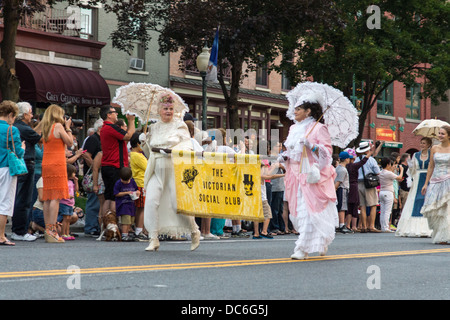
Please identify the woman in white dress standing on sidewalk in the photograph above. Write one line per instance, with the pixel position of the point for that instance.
(412, 223)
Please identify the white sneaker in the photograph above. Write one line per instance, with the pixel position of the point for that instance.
(210, 236)
(299, 255)
(25, 237)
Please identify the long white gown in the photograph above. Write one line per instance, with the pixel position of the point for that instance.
(436, 207)
(160, 212)
(412, 223)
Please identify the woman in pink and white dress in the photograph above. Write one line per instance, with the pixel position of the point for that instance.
(309, 183)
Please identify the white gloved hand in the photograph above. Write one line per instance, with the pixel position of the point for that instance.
(307, 144)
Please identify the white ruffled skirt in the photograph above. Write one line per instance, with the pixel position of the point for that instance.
(317, 229)
(436, 209)
(411, 225)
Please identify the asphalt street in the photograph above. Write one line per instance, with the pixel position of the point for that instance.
(358, 266)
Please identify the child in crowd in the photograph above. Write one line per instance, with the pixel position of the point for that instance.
(37, 214)
(126, 191)
(387, 177)
(66, 214)
(265, 205)
(342, 185)
(138, 164)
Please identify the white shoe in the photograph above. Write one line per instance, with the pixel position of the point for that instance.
(299, 255)
(324, 252)
(154, 245)
(195, 240)
(210, 236)
(25, 237)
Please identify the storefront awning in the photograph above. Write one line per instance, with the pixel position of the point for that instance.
(41, 82)
(392, 144)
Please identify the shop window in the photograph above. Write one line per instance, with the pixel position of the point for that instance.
(413, 102)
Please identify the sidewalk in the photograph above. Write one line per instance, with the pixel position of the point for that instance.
(9, 225)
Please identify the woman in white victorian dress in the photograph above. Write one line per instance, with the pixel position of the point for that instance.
(436, 207)
(160, 213)
(310, 191)
(412, 223)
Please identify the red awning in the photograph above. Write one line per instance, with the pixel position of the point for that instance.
(43, 82)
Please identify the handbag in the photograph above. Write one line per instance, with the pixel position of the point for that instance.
(312, 171)
(88, 182)
(371, 180)
(17, 166)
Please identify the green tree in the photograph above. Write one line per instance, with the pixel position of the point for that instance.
(135, 20)
(410, 42)
(249, 30)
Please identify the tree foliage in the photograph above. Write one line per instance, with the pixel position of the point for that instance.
(412, 42)
(248, 37)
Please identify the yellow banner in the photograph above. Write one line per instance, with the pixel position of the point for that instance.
(217, 186)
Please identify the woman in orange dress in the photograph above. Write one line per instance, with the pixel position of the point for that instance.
(57, 134)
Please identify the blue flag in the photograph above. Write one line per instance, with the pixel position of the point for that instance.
(211, 74)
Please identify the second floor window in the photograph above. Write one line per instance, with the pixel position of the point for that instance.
(357, 95)
(261, 74)
(413, 102)
(285, 83)
(385, 102)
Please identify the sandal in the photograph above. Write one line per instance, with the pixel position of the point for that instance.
(7, 243)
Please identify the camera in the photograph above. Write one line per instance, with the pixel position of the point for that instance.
(75, 122)
(69, 108)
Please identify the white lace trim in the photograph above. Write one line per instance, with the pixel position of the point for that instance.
(297, 133)
(317, 230)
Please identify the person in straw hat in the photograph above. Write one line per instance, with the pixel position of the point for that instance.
(367, 197)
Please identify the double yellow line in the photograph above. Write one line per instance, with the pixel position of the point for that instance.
(212, 264)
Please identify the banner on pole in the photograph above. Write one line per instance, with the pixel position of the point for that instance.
(217, 186)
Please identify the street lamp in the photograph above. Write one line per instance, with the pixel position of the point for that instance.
(202, 66)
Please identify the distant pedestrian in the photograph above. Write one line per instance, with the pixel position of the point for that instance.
(66, 206)
(342, 186)
(368, 197)
(115, 153)
(126, 192)
(8, 183)
(387, 177)
(57, 135)
(25, 183)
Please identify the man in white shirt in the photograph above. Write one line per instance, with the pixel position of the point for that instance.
(367, 197)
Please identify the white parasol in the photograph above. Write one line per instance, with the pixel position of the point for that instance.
(340, 116)
(142, 100)
(429, 128)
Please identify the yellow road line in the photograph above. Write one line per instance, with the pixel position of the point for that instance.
(213, 264)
